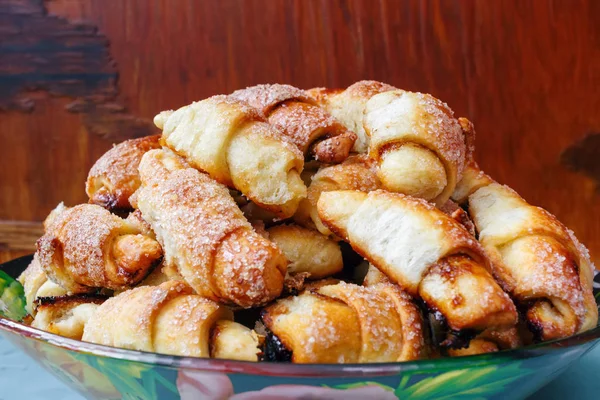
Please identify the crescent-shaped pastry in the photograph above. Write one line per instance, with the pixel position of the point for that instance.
(66, 315)
(36, 284)
(86, 248)
(206, 239)
(348, 106)
(426, 252)
(169, 319)
(232, 142)
(307, 251)
(355, 173)
(114, 177)
(312, 129)
(344, 323)
(490, 341)
(419, 146)
(536, 258)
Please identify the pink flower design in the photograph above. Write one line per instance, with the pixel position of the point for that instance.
(193, 385)
(301, 392)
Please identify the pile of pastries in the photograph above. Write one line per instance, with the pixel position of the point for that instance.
(311, 226)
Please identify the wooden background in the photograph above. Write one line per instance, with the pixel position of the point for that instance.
(78, 75)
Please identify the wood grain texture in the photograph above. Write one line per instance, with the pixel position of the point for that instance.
(20, 235)
(526, 73)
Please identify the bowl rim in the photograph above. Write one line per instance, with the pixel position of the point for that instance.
(290, 369)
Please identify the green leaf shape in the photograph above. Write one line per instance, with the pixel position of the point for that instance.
(469, 383)
(132, 380)
(361, 384)
(12, 298)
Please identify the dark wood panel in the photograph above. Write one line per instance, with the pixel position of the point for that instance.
(526, 73)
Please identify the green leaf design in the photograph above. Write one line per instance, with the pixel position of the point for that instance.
(12, 298)
(468, 383)
(132, 380)
(361, 384)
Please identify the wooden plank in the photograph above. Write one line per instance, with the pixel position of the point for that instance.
(19, 235)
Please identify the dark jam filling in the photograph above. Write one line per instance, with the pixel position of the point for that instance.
(536, 329)
(458, 339)
(274, 350)
(440, 335)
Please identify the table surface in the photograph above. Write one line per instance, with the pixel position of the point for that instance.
(21, 378)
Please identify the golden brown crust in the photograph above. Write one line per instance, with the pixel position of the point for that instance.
(348, 106)
(52, 216)
(87, 248)
(466, 294)
(36, 284)
(314, 131)
(355, 173)
(490, 341)
(234, 144)
(114, 177)
(374, 276)
(230, 340)
(538, 260)
(473, 179)
(317, 329)
(346, 323)
(265, 98)
(426, 252)
(307, 250)
(168, 319)
(418, 143)
(136, 219)
(452, 209)
(205, 236)
(66, 315)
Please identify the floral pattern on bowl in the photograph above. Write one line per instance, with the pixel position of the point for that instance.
(101, 372)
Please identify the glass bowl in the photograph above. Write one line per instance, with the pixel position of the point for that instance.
(101, 372)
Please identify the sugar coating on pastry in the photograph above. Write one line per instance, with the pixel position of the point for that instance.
(206, 238)
(307, 250)
(87, 248)
(114, 177)
(232, 142)
(537, 260)
(309, 127)
(66, 315)
(348, 107)
(432, 163)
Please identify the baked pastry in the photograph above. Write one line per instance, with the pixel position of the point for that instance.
(36, 285)
(307, 251)
(309, 127)
(426, 252)
(348, 106)
(418, 143)
(490, 341)
(170, 319)
(344, 323)
(536, 258)
(455, 211)
(265, 201)
(206, 239)
(114, 177)
(86, 248)
(419, 146)
(66, 315)
(356, 173)
(233, 143)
